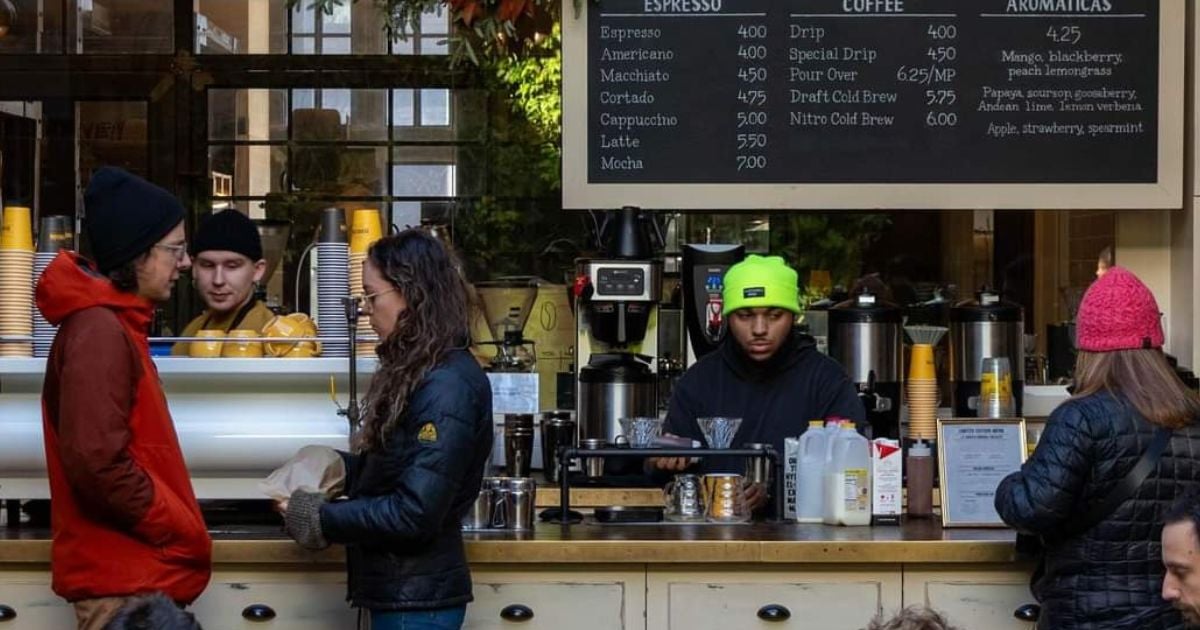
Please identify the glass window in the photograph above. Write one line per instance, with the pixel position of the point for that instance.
(31, 26)
(112, 133)
(121, 26)
(249, 115)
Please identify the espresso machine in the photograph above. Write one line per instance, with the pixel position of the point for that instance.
(865, 337)
(704, 268)
(986, 327)
(616, 324)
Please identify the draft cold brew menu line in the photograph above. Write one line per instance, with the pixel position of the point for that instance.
(872, 91)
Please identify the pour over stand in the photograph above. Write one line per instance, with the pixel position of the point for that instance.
(569, 454)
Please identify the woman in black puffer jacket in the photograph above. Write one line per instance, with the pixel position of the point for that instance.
(418, 459)
(1109, 576)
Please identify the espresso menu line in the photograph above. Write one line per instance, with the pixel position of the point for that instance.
(678, 15)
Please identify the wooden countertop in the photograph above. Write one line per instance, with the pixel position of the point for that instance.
(917, 542)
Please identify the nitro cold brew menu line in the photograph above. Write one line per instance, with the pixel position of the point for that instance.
(862, 91)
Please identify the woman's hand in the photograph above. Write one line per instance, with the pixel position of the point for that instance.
(281, 506)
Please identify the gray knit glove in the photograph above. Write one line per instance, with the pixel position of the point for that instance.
(303, 519)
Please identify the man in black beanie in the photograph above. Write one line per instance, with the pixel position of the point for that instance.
(126, 520)
(228, 263)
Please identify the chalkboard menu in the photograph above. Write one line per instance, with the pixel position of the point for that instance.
(874, 103)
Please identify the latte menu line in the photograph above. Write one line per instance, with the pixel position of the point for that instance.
(894, 93)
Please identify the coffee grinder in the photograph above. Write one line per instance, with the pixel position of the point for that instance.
(704, 268)
(507, 303)
(616, 324)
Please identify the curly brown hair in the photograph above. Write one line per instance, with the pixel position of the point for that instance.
(427, 274)
(913, 618)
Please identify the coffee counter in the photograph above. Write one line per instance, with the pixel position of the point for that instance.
(922, 542)
(643, 577)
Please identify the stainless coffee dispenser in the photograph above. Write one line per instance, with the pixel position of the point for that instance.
(611, 387)
(987, 326)
(865, 337)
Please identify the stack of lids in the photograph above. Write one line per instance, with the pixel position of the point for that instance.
(55, 233)
(366, 227)
(16, 282)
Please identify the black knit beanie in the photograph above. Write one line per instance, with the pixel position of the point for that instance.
(230, 231)
(125, 216)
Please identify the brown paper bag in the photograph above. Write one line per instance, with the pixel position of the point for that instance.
(312, 469)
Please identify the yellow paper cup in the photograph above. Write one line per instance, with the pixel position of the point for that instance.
(920, 364)
(16, 228)
(242, 349)
(366, 227)
(209, 349)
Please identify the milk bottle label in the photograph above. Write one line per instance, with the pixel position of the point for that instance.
(856, 491)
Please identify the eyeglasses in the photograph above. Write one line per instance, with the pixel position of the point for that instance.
(179, 250)
(368, 301)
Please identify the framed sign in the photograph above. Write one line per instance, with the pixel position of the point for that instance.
(974, 456)
(824, 104)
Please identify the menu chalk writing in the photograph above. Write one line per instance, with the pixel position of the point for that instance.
(872, 91)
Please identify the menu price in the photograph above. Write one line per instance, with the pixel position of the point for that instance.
(872, 91)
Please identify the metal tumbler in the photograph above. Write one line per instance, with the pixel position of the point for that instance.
(558, 430)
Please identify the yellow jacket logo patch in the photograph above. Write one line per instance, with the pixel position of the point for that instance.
(427, 434)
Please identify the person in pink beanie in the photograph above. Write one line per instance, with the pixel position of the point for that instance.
(1110, 462)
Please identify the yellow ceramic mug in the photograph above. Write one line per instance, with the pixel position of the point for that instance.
(291, 326)
(209, 349)
(242, 349)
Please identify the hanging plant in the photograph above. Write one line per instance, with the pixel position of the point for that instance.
(479, 27)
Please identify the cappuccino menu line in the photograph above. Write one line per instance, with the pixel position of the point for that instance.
(873, 91)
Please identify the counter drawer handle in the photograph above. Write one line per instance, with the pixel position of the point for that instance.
(258, 612)
(1028, 612)
(774, 612)
(516, 612)
(7, 613)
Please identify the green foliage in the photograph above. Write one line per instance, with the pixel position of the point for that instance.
(828, 241)
(534, 85)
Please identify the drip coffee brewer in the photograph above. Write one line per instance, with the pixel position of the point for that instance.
(507, 303)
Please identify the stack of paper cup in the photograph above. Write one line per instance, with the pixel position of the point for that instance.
(366, 227)
(333, 282)
(922, 394)
(16, 282)
(55, 233)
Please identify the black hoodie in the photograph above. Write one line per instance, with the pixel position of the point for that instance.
(774, 398)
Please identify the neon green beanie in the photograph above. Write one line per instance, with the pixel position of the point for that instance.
(761, 282)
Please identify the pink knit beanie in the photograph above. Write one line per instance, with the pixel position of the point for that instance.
(1118, 312)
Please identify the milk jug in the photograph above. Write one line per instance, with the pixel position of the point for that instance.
(809, 488)
(848, 480)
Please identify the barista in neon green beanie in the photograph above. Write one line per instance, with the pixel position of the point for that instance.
(765, 372)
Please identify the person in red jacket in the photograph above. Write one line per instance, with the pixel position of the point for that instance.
(124, 518)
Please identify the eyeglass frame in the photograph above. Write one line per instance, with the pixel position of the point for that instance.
(366, 303)
(180, 250)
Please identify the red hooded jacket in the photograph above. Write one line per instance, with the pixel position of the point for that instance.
(124, 517)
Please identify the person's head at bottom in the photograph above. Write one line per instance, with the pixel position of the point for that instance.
(761, 303)
(152, 612)
(1181, 557)
(913, 618)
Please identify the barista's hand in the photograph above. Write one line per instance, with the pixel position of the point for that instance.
(669, 464)
(756, 496)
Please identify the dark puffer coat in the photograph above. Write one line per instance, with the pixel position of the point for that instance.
(1111, 575)
(401, 526)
